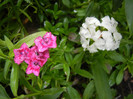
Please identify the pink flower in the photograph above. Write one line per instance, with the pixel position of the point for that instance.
(21, 53)
(34, 68)
(34, 54)
(44, 54)
(48, 41)
(34, 64)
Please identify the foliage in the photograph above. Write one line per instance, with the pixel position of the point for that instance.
(70, 72)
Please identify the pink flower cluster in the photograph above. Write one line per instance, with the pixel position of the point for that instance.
(37, 55)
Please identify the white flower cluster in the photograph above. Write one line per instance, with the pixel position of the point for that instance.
(105, 38)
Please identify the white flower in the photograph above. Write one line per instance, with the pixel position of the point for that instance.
(109, 24)
(100, 44)
(104, 35)
(117, 36)
(92, 48)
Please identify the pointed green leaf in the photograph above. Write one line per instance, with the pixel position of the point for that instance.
(78, 58)
(63, 42)
(2, 43)
(129, 14)
(8, 43)
(130, 67)
(14, 79)
(29, 40)
(2, 55)
(88, 92)
(66, 22)
(84, 73)
(116, 56)
(19, 2)
(52, 91)
(47, 25)
(119, 77)
(4, 2)
(6, 68)
(54, 96)
(73, 93)
(68, 58)
(66, 70)
(55, 7)
(101, 79)
(3, 93)
(112, 79)
(58, 66)
(66, 3)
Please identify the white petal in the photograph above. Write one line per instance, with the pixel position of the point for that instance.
(117, 36)
(92, 48)
(100, 44)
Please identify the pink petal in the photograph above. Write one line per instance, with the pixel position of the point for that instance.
(36, 71)
(29, 70)
(47, 35)
(24, 45)
(38, 40)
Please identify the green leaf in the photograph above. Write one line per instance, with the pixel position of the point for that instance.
(14, 79)
(3, 93)
(2, 55)
(29, 40)
(47, 25)
(73, 93)
(66, 22)
(69, 58)
(119, 77)
(112, 79)
(54, 96)
(52, 91)
(101, 79)
(55, 7)
(58, 66)
(116, 4)
(26, 83)
(8, 43)
(84, 73)
(63, 42)
(130, 67)
(93, 9)
(66, 70)
(78, 58)
(130, 96)
(4, 2)
(6, 68)
(66, 3)
(22, 11)
(19, 2)
(88, 92)
(129, 14)
(116, 57)
(2, 43)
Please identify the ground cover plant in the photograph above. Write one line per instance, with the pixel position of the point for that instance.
(66, 49)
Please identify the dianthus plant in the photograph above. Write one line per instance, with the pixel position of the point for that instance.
(37, 55)
(96, 35)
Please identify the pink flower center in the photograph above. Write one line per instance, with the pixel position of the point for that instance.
(46, 40)
(35, 63)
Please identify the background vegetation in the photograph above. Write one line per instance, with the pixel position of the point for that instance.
(70, 72)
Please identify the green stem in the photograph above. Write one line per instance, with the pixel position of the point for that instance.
(29, 95)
